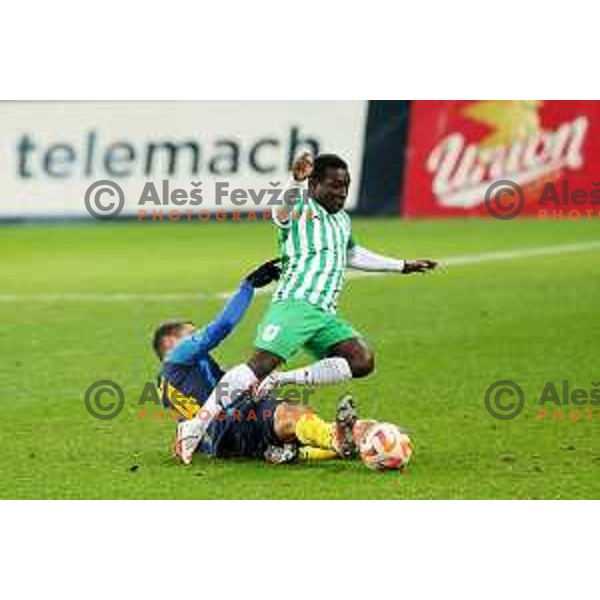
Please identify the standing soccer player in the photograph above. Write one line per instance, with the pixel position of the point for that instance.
(316, 246)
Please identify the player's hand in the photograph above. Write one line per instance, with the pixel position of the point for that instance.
(421, 265)
(267, 272)
(303, 166)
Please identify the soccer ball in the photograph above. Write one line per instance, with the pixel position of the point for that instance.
(384, 446)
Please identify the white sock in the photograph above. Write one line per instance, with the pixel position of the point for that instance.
(232, 384)
(324, 372)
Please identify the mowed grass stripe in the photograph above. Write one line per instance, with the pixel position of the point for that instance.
(453, 261)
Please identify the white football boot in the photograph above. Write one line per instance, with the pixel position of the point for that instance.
(189, 435)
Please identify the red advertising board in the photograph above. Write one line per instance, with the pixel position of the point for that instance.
(457, 149)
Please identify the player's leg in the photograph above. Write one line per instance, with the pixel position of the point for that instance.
(340, 340)
(263, 362)
(286, 327)
(245, 376)
(236, 381)
(358, 354)
(268, 429)
(302, 425)
(247, 430)
(343, 353)
(326, 335)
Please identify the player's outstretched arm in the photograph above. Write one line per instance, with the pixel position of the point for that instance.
(204, 340)
(236, 307)
(215, 332)
(364, 260)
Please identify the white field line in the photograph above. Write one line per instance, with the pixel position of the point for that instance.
(452, 261)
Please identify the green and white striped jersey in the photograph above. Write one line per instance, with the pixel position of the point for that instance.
(313, 245)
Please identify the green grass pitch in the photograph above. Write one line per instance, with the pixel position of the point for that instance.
(440, 341)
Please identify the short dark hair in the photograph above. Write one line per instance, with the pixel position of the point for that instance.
(326, 161)
(164, 329)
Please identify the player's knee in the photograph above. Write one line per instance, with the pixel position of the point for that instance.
(362, 364)
(263, 363)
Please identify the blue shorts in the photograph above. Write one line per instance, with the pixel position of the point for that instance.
(246, 428)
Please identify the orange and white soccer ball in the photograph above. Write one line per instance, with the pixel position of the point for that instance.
(384, 446)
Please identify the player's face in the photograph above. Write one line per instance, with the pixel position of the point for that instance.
(331, 193)
(170, 341)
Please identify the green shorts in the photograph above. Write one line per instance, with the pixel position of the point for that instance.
(293, 324)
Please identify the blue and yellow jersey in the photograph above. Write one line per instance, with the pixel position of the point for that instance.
(189, 373)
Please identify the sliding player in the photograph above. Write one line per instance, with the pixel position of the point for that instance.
(188, 371)
(277, 431)
(282, 433)
(189, 374)
(316, 246)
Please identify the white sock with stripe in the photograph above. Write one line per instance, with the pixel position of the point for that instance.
(328, 371)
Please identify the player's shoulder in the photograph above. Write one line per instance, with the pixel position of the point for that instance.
(186, 350)
(289, 215)
(345, 217)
